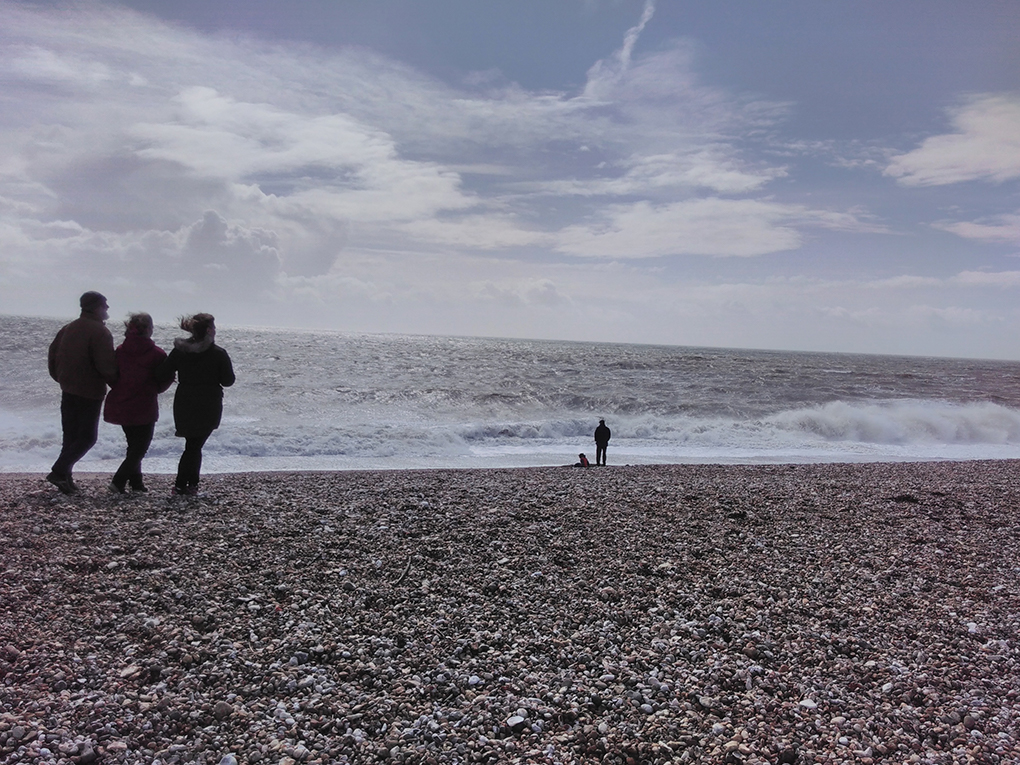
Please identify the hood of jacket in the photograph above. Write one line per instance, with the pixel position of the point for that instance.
(136, 345)
(190, 345)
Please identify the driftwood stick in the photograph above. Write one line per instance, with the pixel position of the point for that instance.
(402, 576)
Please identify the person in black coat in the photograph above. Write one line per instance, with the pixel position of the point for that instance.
(203, 370)
(602, 435)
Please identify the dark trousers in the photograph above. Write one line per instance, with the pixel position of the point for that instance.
(138, 439)
(79, 420)
(190, 465)
(600, 454)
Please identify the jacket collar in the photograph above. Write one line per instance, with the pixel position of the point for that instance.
(92, 315)
(190, 345)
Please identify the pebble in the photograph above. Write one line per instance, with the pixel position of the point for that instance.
(752, 614)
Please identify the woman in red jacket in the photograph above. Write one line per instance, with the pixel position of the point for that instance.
(132, 402)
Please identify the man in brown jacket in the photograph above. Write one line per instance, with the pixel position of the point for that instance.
(82, 360)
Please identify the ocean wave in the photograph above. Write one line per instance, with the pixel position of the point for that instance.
(881, 429)
(320, 399)
(905, 422)
(902, 421)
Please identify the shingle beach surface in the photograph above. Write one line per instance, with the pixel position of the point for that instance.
(652, 614)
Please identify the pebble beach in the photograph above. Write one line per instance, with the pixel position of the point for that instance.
(863, 613)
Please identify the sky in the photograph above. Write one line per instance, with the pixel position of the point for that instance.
(838, 176)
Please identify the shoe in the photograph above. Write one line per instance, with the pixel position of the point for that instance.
(184, 491)
(138, 487)
(115, 489)
(64, 483)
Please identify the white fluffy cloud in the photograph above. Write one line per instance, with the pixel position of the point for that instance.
(985, 146)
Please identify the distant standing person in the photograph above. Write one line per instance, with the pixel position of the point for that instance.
(133, 401)
(82, 360)
(602, 436)
(203, 370)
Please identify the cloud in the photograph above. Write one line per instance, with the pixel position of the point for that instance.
(605, 75)
(337, 187)
(325, 157)
(43, 65)
(521, 293)
(1004, 279)
(698, 227)
(486, 232)
(317, 150)
(213, 244)
(985, 146)
(999, 228)
(908, 282)
(712, 226)
(707, 168)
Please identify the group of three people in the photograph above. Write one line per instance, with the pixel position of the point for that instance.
(83, 361)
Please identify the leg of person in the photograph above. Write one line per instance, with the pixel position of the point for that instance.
(600, 454)
(60, 470)
(190, 466)
(196, 445)
(144, 441)
(180, 482)
(138, 438)
(79, 419)
(120, 478)
(184, 468)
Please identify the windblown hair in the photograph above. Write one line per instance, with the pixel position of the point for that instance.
(198, 325)
(139, 323)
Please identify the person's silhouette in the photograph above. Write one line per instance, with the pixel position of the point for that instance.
(602, 436)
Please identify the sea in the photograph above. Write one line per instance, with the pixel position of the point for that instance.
(331, 400)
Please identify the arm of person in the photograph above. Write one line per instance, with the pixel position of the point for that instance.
(164, 374)
(162, 384)
(51, 356)
(226, 371)
(105, 358)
